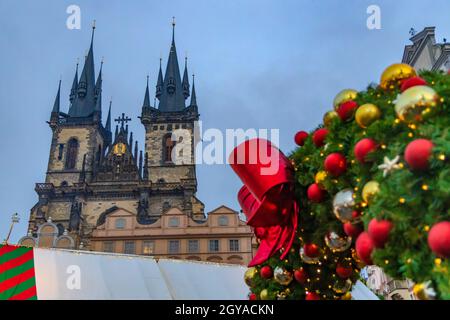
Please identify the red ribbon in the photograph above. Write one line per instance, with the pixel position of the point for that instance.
(267, 197)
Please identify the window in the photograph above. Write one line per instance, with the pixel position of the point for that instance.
(174, 246)
(168, 147)
(234, 245)
(108, 246)
(72, 153)
(120, 223)
(213, 245)
(60, 151)
(223, 221)
(129, 247)
(174, 222)
(193, 246)
(148, 247)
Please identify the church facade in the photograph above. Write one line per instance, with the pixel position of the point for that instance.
(103, 193)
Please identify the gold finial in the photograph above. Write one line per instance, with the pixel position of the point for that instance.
(103, 59)
(173, 21)
(93, 24)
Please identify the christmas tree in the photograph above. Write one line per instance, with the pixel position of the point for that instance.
(379, 163)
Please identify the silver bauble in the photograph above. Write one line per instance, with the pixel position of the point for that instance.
(343, 203)
(336, 242)
(282, 276)
(307, 259)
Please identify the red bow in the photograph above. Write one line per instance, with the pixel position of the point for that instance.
(267, 197)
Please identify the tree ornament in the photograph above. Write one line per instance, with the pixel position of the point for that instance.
(344, 96)
(300, 275)
(439, 239)
(319, 136)
(352, 230)
(264, 294)
(344, 271)
(364, 147)
(252, 296)
(315, 193)
(367, 114)
(250, 275)
(266, 272)
(418, 153)
(320, 178)
(346, 110)
(424, 291)
(392, 75)
(412, 82)
(379, 231)
(282, 276)
(364, 246)
(370, 189)
(389, 165)
(416, 103)
(347, 296)
(343, 203)
(311, 250)
(300, 137)
(312, 296)
(336, 242)
(335, 164)
(308, 259)
(329, 117)
(342, 286)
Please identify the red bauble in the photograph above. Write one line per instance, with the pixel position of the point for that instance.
(311, 250)
(300, 137)
(266, 272)
(347, 109)
(356, 214)
(352, 230)
(312, 296)
(319, 137)
(315, 194)
(439, 239)
(417, 154)
(411, 82)
(300, 275)
(364, 247)
(363, 147)
(344, 272)
(252, 296)
(379, 231)
(335, 164)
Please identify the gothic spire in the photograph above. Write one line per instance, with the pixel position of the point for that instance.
(98, 90)
(185, 82)
(172, 98)
(84, 103)
(56, 104)
(146, 103)
(160, 83)
(193, 96)
(73, 91)
(108, 119)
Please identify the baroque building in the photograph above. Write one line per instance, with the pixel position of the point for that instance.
(102, 193)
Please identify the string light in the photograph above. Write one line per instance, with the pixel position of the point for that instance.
(424, 187)
(437, 261)
(410, 135)
(386, 261)
(397, 121)
(441, 157)
(408, 261)
(426, 228)
(402, 200)
(383, 146)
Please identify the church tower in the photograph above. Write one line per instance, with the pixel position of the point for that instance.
(169, 138)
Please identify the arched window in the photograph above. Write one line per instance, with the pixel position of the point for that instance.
(72, 153)
(168, 147)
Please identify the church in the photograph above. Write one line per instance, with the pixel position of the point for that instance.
(102, 193)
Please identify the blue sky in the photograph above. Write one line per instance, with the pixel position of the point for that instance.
(258, 64)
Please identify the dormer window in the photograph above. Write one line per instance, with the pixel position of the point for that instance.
(171, 86)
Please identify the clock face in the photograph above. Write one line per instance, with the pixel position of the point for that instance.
(119, 149)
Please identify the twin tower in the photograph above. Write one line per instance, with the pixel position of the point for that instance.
(93, 171)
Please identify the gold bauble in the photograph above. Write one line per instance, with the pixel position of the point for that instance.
(329, 117)
(249, 276)
(342, 286)
(347, 296)
(344, 96)
(264, 294)
(370, 189)
(396, 72)
(366, 114)
(415, 103)
(424, 291)
(320, 178)
(343, 203)
(282, 276)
